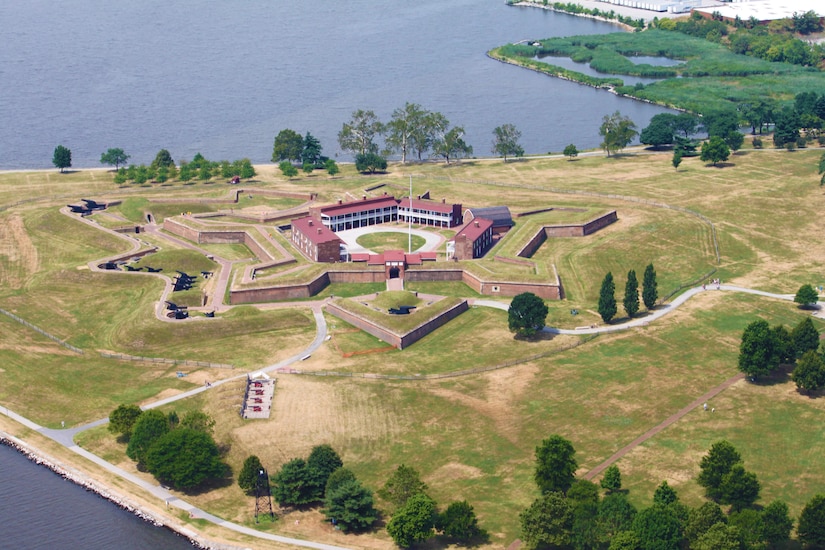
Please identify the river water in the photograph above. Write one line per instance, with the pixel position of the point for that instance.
(223, 78)
(41, 510)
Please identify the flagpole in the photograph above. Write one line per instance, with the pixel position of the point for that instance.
(409, 219)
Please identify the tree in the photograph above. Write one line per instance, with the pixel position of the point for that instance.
(287, 169)
(62, 158)
(650, 287)
(658, 528)
(114, 157)
(358, 135)
(660, 130)
(720, 122)
(806, 296)
(199, 421)
(185, 458)
(811, 528)
(739, 487)
(311, 152)
(338, 477)
(292, 485)
(526, 314)
(809, 373)
(804, 337)
(505, 141)
(665, 495)
(433, 126)
(148, 428)
(786, 128)
(307, 167)
(617, 132)
(784, 344)
(719, 537)
(459, 522)
(322, 461)
(701, 519)
(247, 170)
(163, 158)
(677, 158)
(331, 167)
(570, 151)
(370, 162)
(401, 485)
(750, 525)
(350, 505)
(583, 496)
(821, 168)
(806, 23)
(548, 522)
(631, 294)
(713, 467)
(451, 145)
(249, 474)
(607, 298)
(625, 540)
(288, 146)
(758, 352)
(714, 150)
(776, 523)
(555, 465)
(734, 140)
(414, 522)
(123, 418)
(612, 479)
(615, 515)
(685, 123)
(406, 123)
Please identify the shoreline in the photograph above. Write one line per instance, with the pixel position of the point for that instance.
(103, 491)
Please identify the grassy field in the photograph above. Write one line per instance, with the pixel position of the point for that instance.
(471, 437)
(381, 242)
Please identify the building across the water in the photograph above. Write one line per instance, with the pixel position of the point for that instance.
(763, 11)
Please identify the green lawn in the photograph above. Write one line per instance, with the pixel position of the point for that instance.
(383, 241)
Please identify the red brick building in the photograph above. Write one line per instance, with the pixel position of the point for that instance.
(316, 241)
(472, 240)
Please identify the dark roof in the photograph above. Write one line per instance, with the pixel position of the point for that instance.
(500, 215)
(314, 230)
(474, 229)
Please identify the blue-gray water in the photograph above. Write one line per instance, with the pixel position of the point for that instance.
(41, 510)
(223, 78)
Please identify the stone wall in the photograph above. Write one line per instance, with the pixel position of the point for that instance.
(569, 230)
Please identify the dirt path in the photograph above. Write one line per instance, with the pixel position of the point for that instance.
(698, 402)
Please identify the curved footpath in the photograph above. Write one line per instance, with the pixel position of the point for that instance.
(65, 437)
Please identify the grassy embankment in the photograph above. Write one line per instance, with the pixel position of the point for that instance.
(470, 437)
(710, 77)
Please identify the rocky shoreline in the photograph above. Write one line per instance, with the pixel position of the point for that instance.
(102, 491)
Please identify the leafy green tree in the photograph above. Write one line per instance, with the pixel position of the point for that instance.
(625, 540)
(607, 298)
(459, 523)
(719, 537)
(148, 428)
(806, 296)
(406, 123)
(199, 161)
(548, 522)
(712, 468)
(786, 128)
(777, 524)
(338, 477)
(612, 479)
(650, 287)
(451, 145)
(311, 152)
(205, 172)
(660, 131)
(185, 172)
(247, 170)
(809, 373)
(226, 169)
(433, 125)
(617, 132)
(685, 123)
(526, 314)
(350, 504)
(114, 157)
(715, 150)
(751, 527)
(804, 337)
(784, 344)
(665, 495)
(739, 487)
(163, 158)
(555, 465)
(821, 170)
(331, 167)
(583, 496)
(185, 458)
(401, 485)
(631, 294)
(307, 167)
(358, 135)
(370, 162)
(758, 352)
(414, 522)
(734, 140)
(806, 23)
(505, 141)
(163, 174)
(292, 485)
(658, 528)
(720, 122)
(811, 528)
(571, 151)
(701, 519)
(615, 515)
(250, 471)
(322, 462)
(287, 169)
(123, 418)
(62, 158)
(288, 146)
(677, 158)
(199, 421)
